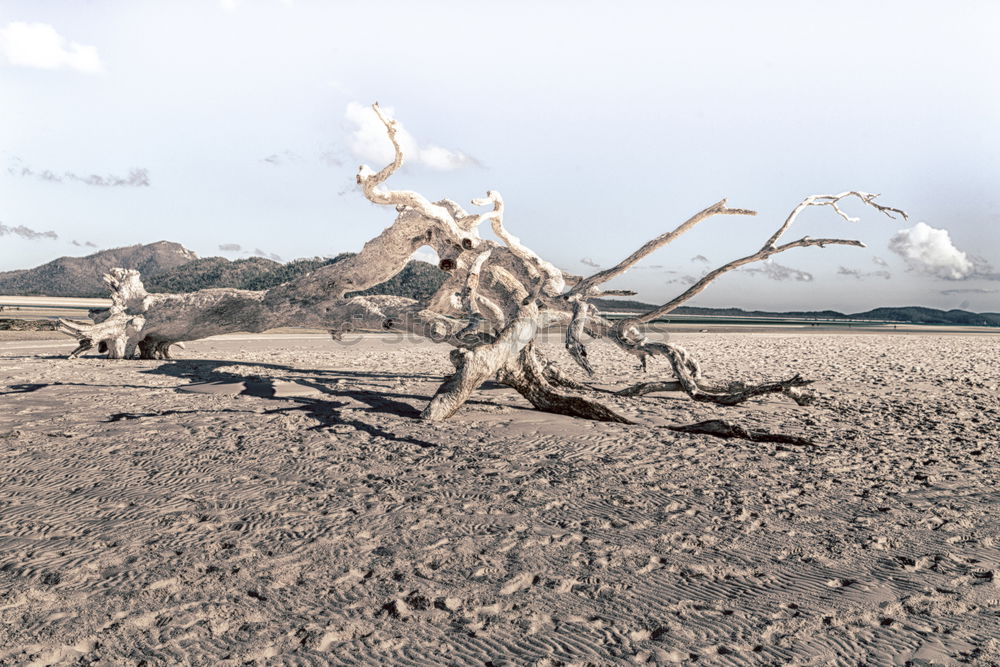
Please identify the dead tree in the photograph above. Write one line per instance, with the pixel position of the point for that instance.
(495, 301)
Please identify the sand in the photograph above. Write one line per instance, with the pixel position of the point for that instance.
(274, 499)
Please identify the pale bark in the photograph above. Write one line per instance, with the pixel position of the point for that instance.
(496, 299)
(528, 377)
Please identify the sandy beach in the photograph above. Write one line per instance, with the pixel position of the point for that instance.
(275, 499)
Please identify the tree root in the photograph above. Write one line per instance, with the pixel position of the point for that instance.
(527, 375)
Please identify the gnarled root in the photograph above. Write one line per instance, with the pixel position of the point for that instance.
(527, 375)
(118, 333)
(156, 349)
(685, 369)
(477, 365)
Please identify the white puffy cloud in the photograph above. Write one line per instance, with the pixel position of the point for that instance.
(426, 254)
(930, 251)
(370, 143)
(39, 45)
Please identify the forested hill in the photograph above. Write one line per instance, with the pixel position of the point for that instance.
(81, 276)
(418, 280)
(908, 314)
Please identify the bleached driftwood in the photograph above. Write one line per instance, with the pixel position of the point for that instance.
(495, 301)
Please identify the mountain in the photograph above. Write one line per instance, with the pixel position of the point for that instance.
(170, 267)
(418, 280)
(81, 276)
(252, 273)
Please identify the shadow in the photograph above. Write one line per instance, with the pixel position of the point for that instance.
(326, 412)
(23, 388)
(128, 416)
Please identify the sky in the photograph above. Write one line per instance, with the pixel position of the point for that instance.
(236, 128)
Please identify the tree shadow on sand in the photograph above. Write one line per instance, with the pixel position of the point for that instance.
(325, 411)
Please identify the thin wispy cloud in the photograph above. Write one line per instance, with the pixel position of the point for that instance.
(880, 262)
(700, 258)
(233, 5)
(774, 271)
(26, 233)
(368, 142)
(969, 290)
(230, 247)
(40, 46)
(282, 158)
(269, 255)
(859, 274)
(331, 157)
(136, 178)
(85, 244)
(586, 261)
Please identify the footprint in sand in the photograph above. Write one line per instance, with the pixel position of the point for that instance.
(519, 583)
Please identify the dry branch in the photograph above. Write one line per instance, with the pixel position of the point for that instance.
(495, 301)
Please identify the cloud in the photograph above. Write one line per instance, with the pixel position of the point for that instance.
(330, 157)
(230, 247)
(85, 244)
(268, 255)
(774, 271)
(233, 5)
(684, 280)
(700, 258)
(879, 261)
(284, 157)
(137, 177)
(370, 142)
(930, 251)
(586, 261)
(26, 233)
(969, 290)
(859, 274)
(445, 159)
(38, 45)
(426, 254)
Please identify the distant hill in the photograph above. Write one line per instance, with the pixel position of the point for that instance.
(418, 280)
(253, 273)
(81, 276)
(908, 314)
(170, 267)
